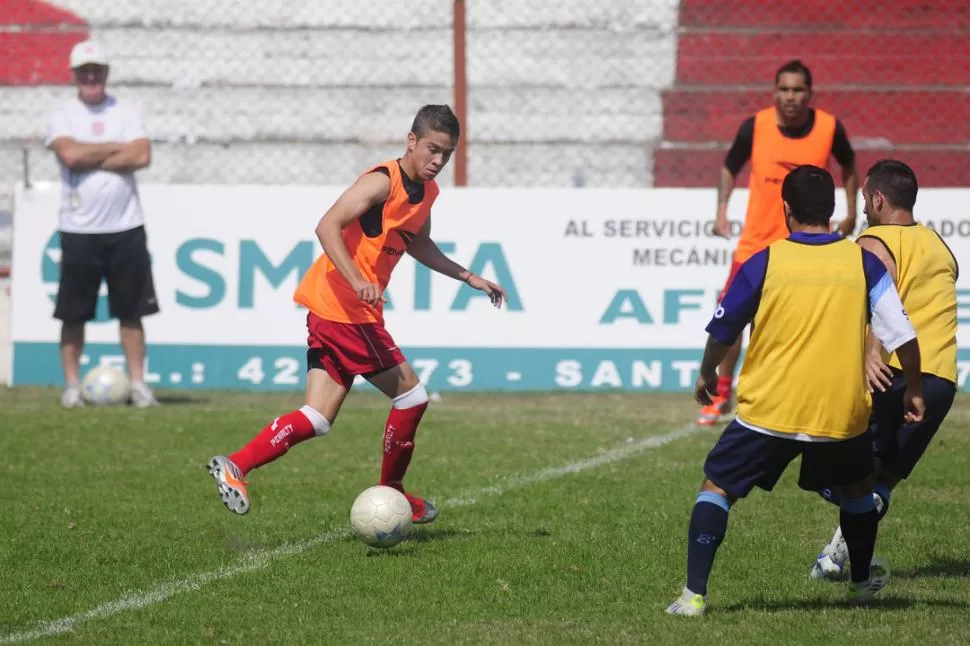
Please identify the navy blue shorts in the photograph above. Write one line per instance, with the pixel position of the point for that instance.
(744, 459)
(899, 446)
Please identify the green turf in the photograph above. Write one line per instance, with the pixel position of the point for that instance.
(101, 505)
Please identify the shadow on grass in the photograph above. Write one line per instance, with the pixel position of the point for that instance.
(417, 537)
(880, 604)
(444, 534)
(179, 398)
(943, 568)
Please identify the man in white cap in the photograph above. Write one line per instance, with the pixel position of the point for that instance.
(100, 142)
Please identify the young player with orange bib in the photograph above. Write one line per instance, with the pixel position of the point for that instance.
(775, 140)
(383, 215)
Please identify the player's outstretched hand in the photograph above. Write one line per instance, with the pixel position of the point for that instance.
(494, 291)
(369, 293)
(705, 389)
(914, 406)
(878, 374)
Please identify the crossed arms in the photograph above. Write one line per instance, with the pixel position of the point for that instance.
(114, 157)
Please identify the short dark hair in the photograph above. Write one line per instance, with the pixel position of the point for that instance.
(436, 118)
(795, 67)
(896, 181)
(810, 192)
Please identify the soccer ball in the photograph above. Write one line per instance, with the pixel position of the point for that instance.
(106, 385)
(381, 516)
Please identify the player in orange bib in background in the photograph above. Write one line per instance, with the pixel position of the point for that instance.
(383, 215)
(776, 140)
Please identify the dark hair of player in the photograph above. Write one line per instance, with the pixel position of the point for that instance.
(896, 181)
(435, 118)
(795, 67)
(810, 192)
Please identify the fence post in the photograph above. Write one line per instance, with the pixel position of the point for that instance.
(26, 165)
(461, 91)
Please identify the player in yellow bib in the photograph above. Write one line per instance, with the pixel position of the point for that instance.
(925, 273)
(810, 299)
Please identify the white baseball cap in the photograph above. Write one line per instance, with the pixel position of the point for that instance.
(87, 52)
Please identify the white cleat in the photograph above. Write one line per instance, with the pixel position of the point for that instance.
(826, 568)
(71, 398)
(867, 590)
(832, 560)
(688, 604)
(232, 487)
(142, 396)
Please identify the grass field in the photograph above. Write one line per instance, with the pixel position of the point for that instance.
(562, 523)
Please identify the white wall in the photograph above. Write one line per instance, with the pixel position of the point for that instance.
(563, 92)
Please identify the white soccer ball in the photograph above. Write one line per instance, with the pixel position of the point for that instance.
(106, 385)
(381, 516)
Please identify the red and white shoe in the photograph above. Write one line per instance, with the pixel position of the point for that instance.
(712, 413)
(422, 511)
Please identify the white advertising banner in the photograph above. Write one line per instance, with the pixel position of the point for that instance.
(607, 288)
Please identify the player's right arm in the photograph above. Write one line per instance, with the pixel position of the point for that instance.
(737, 157)
(736, 309)
(879, 375)
(368, 191)
(890, 324)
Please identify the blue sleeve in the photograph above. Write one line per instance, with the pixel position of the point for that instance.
(878, 279)
(887, 316)
(875, 271)
(740, 303)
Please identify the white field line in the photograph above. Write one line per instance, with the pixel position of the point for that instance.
(615, 455)
(259, 559)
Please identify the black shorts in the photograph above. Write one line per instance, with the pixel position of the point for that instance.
(121, 259)
(744, 459)
(899, 446)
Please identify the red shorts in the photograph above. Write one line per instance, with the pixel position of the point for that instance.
(346, 350)
(735, 267)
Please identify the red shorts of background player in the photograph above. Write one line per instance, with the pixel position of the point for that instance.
(346, 350)
(735, 267)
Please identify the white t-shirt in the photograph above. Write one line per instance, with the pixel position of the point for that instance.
(97, 201)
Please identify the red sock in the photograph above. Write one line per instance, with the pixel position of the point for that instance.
(724, 387)
(402, 424)
(277, 438)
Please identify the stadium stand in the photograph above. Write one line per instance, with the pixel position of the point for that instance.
(561, 93)
(897, 72)
(569, 93)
